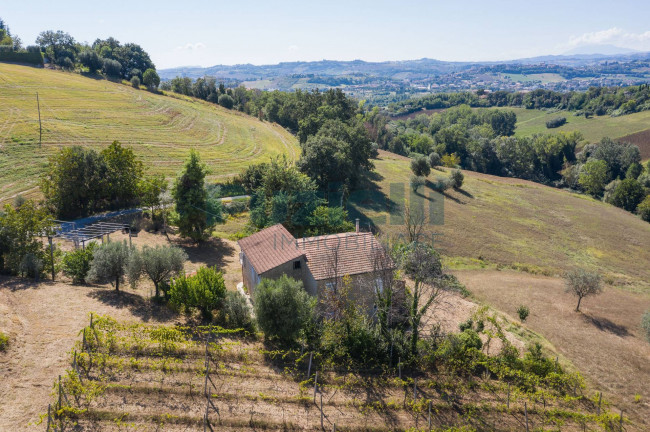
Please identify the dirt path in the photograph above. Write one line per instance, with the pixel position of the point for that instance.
(603, 341)
(43, 321)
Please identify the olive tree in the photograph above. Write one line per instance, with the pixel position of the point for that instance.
(159, 264)
(420, 166)
(282, 308)
(582, 283)
(109, 263)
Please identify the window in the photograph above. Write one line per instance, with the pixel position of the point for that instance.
(296, 265)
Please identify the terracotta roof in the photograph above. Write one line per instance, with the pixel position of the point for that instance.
(269, 248)
(354, 252)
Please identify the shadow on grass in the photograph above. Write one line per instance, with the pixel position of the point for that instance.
(209, 253)
(145, 309)
(16, 283)
(604, 324)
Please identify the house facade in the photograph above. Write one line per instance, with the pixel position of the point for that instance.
(319, 262)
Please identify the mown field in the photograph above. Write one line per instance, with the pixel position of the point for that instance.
(593, 129)
(495, 221)
(93, 113)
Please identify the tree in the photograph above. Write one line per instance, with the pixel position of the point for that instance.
(634, 171)
(282, 308)
(110, 263)
(151, 79)
(434, 160)
(422, 264)
(226, 101)
(191, 199)
(124, 174)
(416, 182)
(628, 194)
(325, 160)
(523, 312)
(159, 264)
(112, 68)
(593, 177)
(135, 82)
(420, 166)
(582, 283)
(329, 220)
(57, 45)
(643, 209)
(90, 59)
(203, 291)
(20, 232)
(456, 178)
(151, 189)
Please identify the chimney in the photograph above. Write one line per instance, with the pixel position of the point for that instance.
(357, 224)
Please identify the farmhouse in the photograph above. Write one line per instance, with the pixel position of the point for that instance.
(319, 262)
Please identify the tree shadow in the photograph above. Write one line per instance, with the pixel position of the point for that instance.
(606, 325)
(16, 283)
(145, 309)
(464, 192)
(209, 253)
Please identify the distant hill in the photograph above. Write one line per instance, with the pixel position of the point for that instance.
(90, 112)
(610, 50)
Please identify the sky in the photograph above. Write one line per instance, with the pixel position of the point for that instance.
(206, 33)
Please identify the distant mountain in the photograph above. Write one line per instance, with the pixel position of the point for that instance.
(602, 49)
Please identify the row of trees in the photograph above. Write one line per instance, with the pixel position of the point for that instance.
(595, 101)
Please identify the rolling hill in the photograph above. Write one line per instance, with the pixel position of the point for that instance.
(509, 223)
(84, 111)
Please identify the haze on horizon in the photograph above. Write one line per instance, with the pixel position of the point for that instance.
(200, 33)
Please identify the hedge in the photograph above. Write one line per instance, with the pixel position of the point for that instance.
(35, 58)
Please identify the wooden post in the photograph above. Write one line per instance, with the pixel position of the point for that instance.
(621, 420)
(600, 400)
(311, 355)
(429, 415)
(49, 417)
(321, 410)
(49, 238)
(508, 403)
(399, 366)
(415, 390)
(40, 126)
(130, 243)
(60, 393)
(526, 414)
(315, 386)
(334, 427)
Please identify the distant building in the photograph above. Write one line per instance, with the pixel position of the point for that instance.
(319, 262)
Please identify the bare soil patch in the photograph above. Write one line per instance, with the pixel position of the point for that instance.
(603, 341)
(640, 139)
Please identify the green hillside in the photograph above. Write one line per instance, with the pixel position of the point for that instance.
(90, 112)
(594, 128)
(518, 224)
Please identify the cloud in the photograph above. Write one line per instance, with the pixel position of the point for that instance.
(293, 48)
(613, 36)
(190, 47)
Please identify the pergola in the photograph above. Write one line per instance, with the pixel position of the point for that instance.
(68, 231)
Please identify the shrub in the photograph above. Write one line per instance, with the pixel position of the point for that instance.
(282, 308)
(203, 291)
(456, 178)
(643, 209)
(420, 166)
(634, 171)
(4, 341)
(112, 68)
(556, 122)
(523, 312)
(109, 263)
(135, 82)
(90, 59)
(226, 101)
(450, 160)
(76, 264)
(628, 194)
(31, 266)
(151, 79)
(645, 324)
(235, 312)
(608, 194)
(434, 160)
(416, 182)
(441, 184)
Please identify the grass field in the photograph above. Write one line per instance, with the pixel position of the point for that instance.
(544, 78)
(593, 129)
(520, 224)
(93, 113)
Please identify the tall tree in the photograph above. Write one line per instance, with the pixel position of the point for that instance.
(191, 199)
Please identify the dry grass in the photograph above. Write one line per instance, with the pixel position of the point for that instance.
(603, 341)
(93, 113)
(509, 222)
